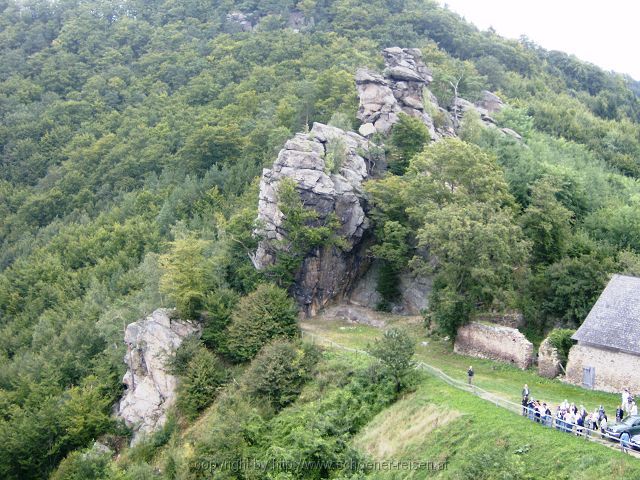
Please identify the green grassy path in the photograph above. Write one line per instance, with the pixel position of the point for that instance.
(502, 379)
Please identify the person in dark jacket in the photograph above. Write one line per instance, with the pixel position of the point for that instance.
(470, 375)
(619, 414)
(547, 415)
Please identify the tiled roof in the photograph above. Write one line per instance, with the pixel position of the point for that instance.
(614, 321)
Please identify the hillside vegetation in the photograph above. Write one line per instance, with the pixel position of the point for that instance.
(131, 138)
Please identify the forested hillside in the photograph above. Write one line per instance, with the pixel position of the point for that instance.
(132, 136)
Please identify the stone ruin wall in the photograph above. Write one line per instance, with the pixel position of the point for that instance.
(549, 362)
(494, 342)
(506, 319)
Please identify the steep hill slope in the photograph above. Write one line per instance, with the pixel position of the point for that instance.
(132, 136)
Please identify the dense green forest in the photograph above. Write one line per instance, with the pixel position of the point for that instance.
(132, 135)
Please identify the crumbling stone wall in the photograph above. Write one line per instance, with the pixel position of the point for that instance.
(494, 342)
(549, 361)
(506, 319)
(614, 370)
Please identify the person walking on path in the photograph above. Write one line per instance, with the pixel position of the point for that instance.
(470, 375)
(525, 399)
(624, 442)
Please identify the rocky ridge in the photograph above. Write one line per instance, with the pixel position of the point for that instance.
(328, 271)
(331, 273)
(151, 389)
(399, 89)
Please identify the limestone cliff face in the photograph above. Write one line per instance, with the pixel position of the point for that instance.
(327, 272)
(151, 389)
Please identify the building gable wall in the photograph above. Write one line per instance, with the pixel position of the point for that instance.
(614, 370)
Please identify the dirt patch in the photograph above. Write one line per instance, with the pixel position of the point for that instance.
(355, 314)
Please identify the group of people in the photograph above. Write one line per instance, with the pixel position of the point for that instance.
(572, 418)
(569, 417)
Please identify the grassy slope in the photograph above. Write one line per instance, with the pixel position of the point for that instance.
(436, 422)
(479, 440)
(504, 380)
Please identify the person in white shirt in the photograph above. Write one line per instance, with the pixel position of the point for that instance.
(634, 409)
(603, 426)
(625, 400)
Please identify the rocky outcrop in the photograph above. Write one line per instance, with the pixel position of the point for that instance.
(488, 105)
(240, 21)
(151, 389)
(327, 272)
(237, 21)
(330, 273)
(549, 362)
(494, 342)
(460, 107)
(415, 292)
(400, 88)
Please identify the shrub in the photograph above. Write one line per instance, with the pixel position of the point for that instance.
(264, 314)
(178, 362)
(219, 306)
(201, 382)
(336, 155)
(408, 138)
(147, 448)
(395, 352)
(185, 275)
(341, 120)
(280, 370)
(437, 116)
(83, 465)
(560, 338)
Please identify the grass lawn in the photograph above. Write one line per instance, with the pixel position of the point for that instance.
(504, 380)
(477, 440)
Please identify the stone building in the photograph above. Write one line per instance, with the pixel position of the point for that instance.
(607, 355)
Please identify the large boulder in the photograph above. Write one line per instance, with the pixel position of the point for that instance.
(151, 389)
(326, 272)
(399, 89)
(490, 102)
